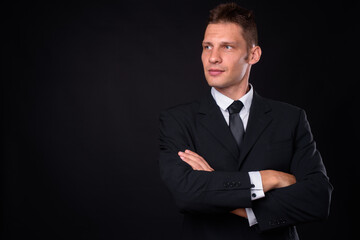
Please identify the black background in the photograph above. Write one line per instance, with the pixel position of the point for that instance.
(83, 84)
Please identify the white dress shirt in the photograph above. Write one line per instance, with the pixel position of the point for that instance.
(255, 178)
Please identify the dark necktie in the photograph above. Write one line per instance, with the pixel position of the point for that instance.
(235, 123)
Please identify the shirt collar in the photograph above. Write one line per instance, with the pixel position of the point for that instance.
(224, 102)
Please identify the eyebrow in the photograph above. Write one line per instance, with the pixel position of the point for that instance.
(221, 43)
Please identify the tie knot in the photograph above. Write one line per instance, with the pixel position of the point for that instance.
(235, 107)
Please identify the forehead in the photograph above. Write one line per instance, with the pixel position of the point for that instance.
(223, 32)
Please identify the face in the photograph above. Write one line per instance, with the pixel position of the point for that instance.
(225, 56)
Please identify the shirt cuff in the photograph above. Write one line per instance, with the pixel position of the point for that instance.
(256, 190)
(251, 216)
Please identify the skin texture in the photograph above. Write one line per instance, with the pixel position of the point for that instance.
(227, 62)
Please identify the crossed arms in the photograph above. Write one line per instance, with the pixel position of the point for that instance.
(271, 179)
(301, 195)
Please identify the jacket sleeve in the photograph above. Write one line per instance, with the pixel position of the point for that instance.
(197, 191)
(306, 200)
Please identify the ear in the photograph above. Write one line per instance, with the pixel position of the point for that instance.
(255, 55)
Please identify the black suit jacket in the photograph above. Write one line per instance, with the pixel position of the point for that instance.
(277, 137)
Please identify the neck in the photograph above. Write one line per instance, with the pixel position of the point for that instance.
(235, 92)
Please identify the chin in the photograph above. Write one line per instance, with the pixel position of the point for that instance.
(217, 83)
(222, 82)
(214, 82)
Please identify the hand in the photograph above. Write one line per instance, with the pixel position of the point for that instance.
(241, 212)
(195, 161)
(276, 179)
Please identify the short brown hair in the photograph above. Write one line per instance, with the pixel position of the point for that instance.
(233, 13)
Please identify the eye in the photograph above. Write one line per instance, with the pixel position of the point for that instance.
(228, 47)
(207, 47)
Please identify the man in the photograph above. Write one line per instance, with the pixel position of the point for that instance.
(238, 165)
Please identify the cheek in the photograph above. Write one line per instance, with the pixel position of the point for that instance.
(203, 59)
(238, 67)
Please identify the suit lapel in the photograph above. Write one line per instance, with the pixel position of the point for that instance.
(258, 121)
(211, 118)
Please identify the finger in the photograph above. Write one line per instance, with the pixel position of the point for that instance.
(196, 158)
(240, 212)
(194, 154)
(193, 164)
(200, 165)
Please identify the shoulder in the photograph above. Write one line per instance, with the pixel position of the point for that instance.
(283, 106)
(280, 108)
(182, 110)
(203, 104)
(182, 113)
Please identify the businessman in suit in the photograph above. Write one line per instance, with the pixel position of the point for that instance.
(240, 166)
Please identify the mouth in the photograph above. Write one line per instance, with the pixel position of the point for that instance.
(215, 72)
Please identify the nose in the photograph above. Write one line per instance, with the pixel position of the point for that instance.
(215, 57)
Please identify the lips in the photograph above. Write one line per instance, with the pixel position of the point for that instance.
(215, 72)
